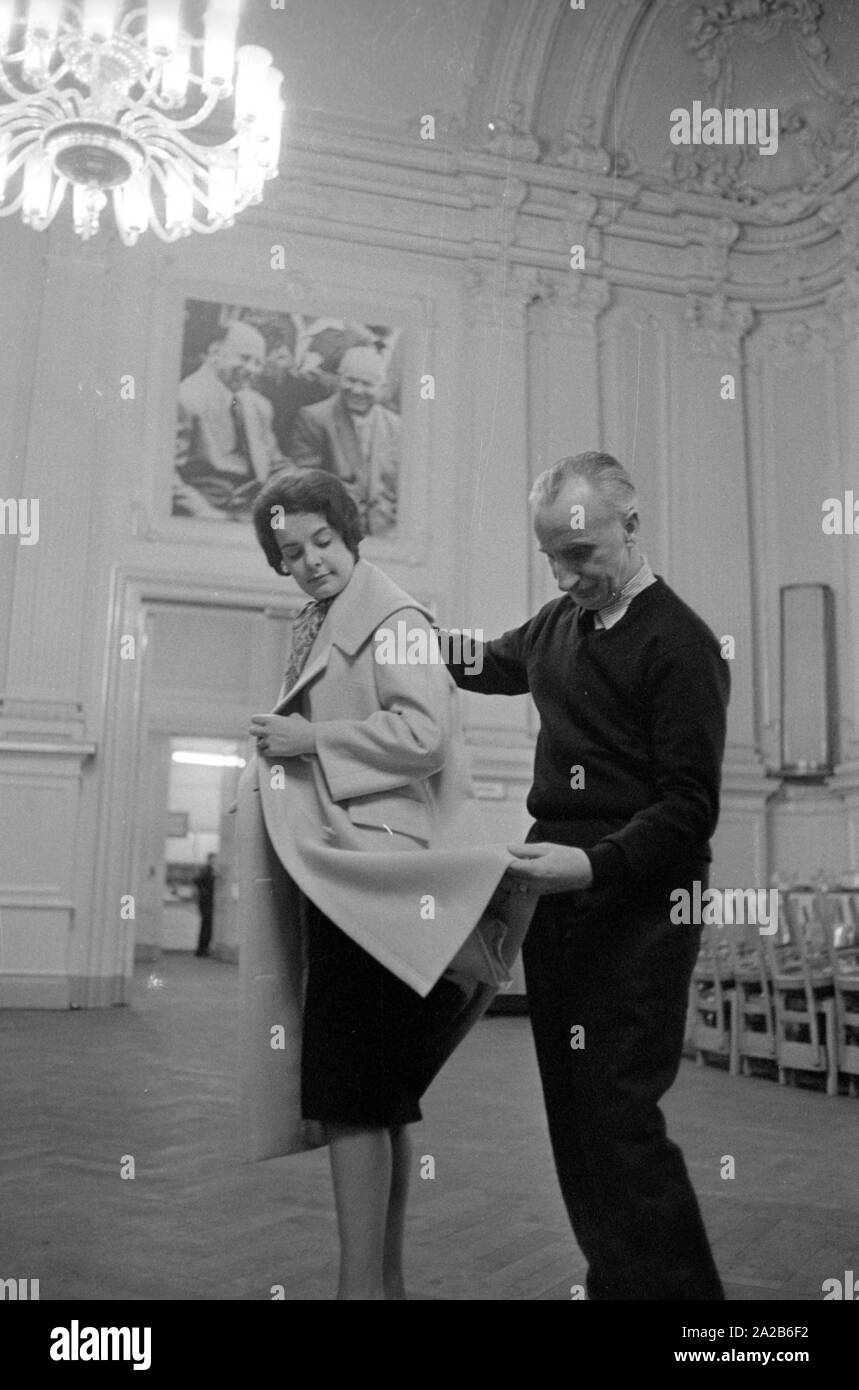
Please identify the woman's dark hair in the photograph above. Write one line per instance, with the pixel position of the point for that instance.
(310, 490)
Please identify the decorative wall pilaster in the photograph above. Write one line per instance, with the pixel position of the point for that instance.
(495, 522)
(564, 387)
(48, 599)
(711, 497)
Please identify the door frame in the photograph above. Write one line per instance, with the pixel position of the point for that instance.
(108, 964)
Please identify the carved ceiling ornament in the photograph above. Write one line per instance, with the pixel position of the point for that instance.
(579, 149)
(715, 27)
(576, 303)
(842, 212)
(497, 205)
(710, 244)
(788, 341)
(500, 292)
(713, 31)
(510, 136)
(718, 326)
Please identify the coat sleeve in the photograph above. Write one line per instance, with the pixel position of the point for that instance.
(187, 499)
(405, 740)
(185, 426)
(498, 667)
(276, 459)
(307, 442)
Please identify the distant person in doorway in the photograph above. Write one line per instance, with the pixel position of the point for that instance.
(205, 882)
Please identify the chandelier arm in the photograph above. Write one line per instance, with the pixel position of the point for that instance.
(53, 105)
(128, 19)
(177, 146)
(14, 92)
(162, 103)
(126, 22)
(150, 92)
(141, 121)
(154, 221)
(58, 74)
(57, 197)
(14, 161)
(194, 224)
(161, 232)
(22, 128)
(203, 114)
(160, 175)
(7, 209)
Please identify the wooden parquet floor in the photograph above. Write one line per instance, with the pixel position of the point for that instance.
(157, 1082)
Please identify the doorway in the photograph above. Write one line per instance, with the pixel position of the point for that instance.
(207, 670)
(190, 784)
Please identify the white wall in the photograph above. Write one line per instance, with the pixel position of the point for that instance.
(466, 244)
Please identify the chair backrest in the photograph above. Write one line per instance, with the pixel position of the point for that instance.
(714, 953)
(841, 915)
(806, 919)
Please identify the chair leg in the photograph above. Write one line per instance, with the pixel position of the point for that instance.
(831, 1047)
(733, 1034)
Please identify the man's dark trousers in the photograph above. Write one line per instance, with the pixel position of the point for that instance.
(624, 980)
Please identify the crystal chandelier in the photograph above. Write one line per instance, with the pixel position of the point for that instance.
(101, 102)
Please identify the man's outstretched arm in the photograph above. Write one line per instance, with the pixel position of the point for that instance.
(498, 667)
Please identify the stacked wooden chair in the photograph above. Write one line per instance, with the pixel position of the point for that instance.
(711, 1024)
(754, 1011)
(788, 997)
(801, 980)
(840, 910)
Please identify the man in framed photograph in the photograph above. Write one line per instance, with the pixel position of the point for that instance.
(225, 442)
(353, 435)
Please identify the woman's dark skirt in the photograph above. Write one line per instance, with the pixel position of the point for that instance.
(370, 1044)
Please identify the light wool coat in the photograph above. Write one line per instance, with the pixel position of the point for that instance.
(380, 828)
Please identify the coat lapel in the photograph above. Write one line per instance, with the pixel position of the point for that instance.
(368, 599)
(347, 439)
(311, 671)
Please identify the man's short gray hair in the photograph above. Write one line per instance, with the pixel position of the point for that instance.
(602, 471)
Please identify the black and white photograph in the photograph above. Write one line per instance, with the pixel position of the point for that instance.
(263, 392)
(429, 671)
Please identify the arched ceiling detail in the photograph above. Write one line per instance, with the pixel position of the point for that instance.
(592, 90)
(552, 129)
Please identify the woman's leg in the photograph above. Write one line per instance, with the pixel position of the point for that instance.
(361, 1167)
(401, 1154)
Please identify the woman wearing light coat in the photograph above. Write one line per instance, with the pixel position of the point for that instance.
(362, 879)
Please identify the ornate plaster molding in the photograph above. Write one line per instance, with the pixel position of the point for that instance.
(500, 293)
(717, 326)
(510, 136)
(576, 304)
(715, 27)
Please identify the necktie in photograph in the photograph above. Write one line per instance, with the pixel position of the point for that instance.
(304, 631)
(242, 444)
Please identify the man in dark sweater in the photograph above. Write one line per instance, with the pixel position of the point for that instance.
(632, 692)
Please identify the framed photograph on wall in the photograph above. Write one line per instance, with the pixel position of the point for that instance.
(264, 389)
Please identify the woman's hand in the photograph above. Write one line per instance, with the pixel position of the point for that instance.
(551, 868)
(283, 735)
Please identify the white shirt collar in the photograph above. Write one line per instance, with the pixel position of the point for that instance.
(613, 612)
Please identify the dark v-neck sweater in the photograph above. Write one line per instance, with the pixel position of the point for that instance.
(640, 709)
